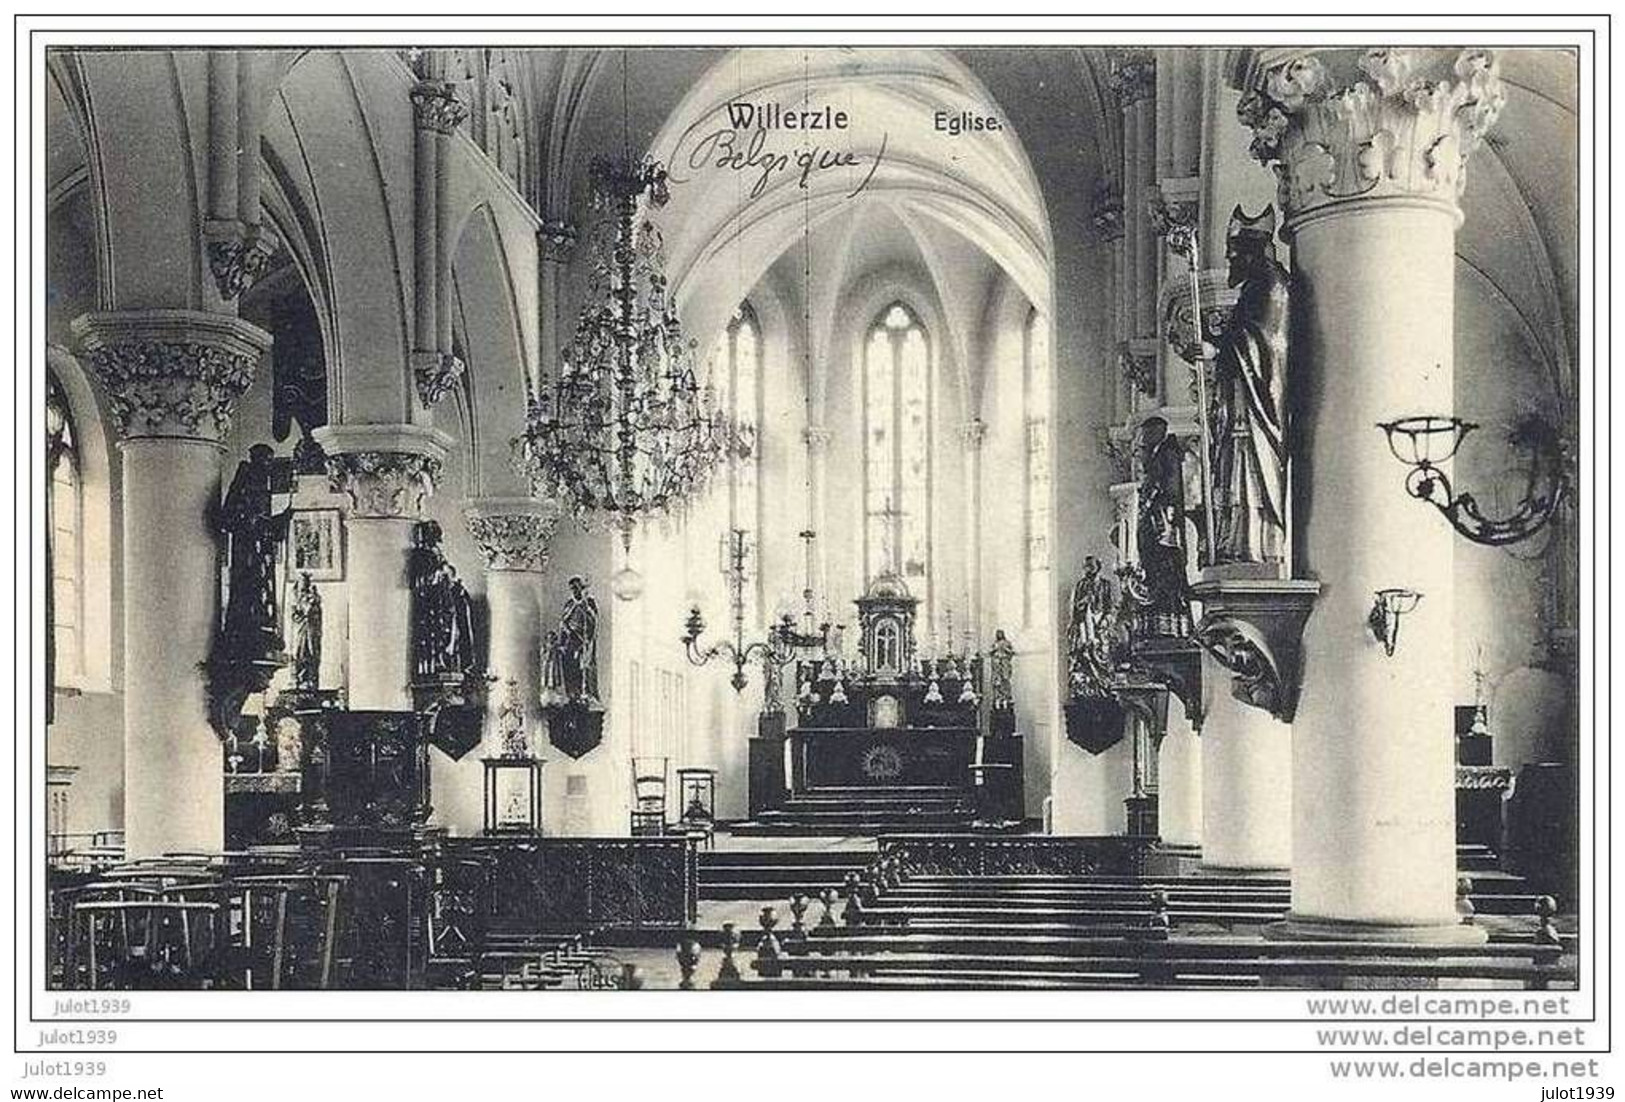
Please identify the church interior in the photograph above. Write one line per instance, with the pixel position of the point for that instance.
(802, 519)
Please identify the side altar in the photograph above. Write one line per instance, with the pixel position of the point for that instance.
(893, 739)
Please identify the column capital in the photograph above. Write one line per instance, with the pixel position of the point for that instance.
(557, 239)
(1106, 210)
(239, 254)
(436, 375)
(387, 471)
(1137, 363)
(171, 373)
(1133, 75)
(1346, 128)
(515, 533)
(435, 106)
(974, 433)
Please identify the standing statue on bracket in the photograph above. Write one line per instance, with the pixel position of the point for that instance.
(1249, 444)
(1160, 533)
(552, 672)
(772, 683)
(442, 614)
(306, 614)
(577, 647)
(515, 740)
(251, 631)
(1090, 635)
(1001, 657)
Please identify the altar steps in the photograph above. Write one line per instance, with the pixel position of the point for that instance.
(1492, 893)
(812, 824)
(776, 876)
(866, 810)
(539, 962)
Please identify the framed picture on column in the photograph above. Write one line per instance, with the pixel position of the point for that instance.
(316, 545)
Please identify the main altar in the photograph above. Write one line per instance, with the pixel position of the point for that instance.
(895, 740)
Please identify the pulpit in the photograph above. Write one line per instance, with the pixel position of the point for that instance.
(367, 773)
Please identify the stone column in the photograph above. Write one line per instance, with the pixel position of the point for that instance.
(171, 377)
(1134, 78)
(1106, 216)
(817, 438)
(1371, 150)
(387, 472)
(1246, 795)
(436, 113)
(1179, 783)
(974, 433)
(238, 248)
(558, 240)
(514, 535)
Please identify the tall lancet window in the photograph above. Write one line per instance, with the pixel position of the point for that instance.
(737, 364)
(1036, 402)
(897, 430)
(66, 543)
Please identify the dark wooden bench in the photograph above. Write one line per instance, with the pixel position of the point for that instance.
(1101, 936)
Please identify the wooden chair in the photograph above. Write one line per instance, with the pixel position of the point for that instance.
(286, 927)
(146, 944)
(381, 940)
(649, 783)
(697, 805)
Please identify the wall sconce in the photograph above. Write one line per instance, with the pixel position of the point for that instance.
(1389, 606)
(1422, 443)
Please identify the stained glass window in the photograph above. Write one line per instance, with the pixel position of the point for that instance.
(737, 362)
(898, 425)
(67, 605)
(1036, 394)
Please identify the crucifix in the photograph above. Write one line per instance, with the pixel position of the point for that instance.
(891, 517)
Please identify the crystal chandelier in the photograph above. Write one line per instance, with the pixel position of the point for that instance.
(626, 432)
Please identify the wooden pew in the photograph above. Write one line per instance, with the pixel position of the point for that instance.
(888, 941)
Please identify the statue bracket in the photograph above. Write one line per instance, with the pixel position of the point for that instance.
(574, 727)
(229, 682)
(1094, 723)
(1144, 695)
(451, 707)
(1177, 664)
(1254, 628)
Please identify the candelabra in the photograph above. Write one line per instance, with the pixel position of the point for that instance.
(1422, 443)
(782, 644)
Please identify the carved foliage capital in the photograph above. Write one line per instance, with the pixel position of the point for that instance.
(817, 438)
(1133, 75)
(436, 375)
(1138, 366)
(1106, 210)
(384, 484)
(1371, 124)
(558, 239)
(435, 106)
(171, 373)
(513, 541)
(238, 258)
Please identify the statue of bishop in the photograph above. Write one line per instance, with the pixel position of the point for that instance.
(1248, 438)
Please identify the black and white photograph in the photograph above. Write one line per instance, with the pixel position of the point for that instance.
(1088, 523)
